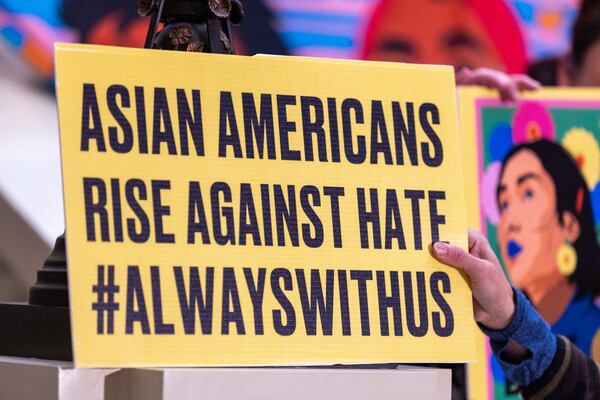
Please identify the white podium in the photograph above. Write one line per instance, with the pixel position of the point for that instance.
(22, 379)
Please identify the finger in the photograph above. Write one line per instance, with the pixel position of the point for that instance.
(481, 76)
(508, 86)
(495, 80)
(456, 257)
(525, 82)
(480, 247)
(463, 76)
(491, 79)
(475, 237)
(510, 92)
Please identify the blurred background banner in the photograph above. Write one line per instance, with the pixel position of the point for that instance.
(505, 34)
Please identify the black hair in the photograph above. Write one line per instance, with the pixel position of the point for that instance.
(545, 71)
(570, 185)
(586, 31)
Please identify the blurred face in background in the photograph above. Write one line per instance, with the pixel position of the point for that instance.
(432, 32)
(583, 65)
(588, 74)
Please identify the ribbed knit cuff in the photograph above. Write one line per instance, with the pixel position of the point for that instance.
(528, 329)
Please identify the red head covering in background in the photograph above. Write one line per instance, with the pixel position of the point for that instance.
(474, 33)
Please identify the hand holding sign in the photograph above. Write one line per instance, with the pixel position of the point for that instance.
(493, 297)
(508, 86)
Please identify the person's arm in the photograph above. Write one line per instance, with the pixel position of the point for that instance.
(571, 375)
(544, 366)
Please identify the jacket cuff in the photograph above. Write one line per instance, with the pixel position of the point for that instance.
(529, 330)
(553, 374)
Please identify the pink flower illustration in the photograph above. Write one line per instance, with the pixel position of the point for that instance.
(532, 122)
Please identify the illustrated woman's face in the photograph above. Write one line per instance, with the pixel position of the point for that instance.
(432, 32)
(529, 232)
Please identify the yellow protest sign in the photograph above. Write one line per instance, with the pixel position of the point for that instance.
(225, 210)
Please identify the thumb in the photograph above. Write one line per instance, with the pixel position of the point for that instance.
(456, 257)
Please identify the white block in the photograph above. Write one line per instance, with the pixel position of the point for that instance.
(285, 383)
(26, 379)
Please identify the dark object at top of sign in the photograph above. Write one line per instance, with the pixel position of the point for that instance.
(221, 8)
(146, 7)
(192, 25)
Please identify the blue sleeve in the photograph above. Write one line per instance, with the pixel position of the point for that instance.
(528, 329)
